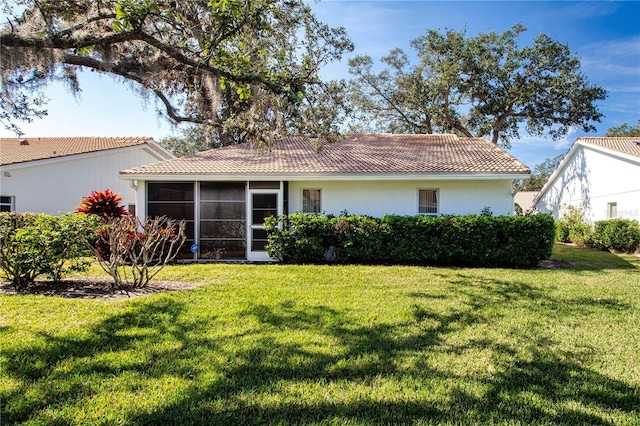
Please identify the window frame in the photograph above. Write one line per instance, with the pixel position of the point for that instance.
(11, 203)
(310, 202)
(436, 194)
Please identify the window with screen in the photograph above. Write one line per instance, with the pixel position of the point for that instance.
(176, 201)
(223, 212)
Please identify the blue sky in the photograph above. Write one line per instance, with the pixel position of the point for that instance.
(605, 35)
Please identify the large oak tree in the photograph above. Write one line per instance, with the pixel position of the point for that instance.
(244, 69)
(483, 86)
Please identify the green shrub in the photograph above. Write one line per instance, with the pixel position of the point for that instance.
(571, 227)
(38, 244)
(19, 260)
(64, 247)
(357, 239)
(524, 240)
(474, 240)
(298, 238)
(616, 234)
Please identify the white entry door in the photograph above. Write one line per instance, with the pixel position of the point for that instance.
(262, 203)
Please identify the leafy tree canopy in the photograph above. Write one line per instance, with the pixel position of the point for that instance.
(541, 173)
(190, 141)
(484, 86)
(243, 69)
(624, 130)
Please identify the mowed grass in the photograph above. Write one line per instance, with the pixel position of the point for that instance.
(335, 345)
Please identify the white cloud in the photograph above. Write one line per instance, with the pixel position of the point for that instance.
(612, 57)
(591, 9)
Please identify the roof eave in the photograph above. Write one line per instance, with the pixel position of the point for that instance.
(612, 152)
(152, 148)
(554, 176)
(164, 153)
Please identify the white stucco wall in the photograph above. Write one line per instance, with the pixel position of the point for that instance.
(377, 198)
(592, 179)
(58, 185)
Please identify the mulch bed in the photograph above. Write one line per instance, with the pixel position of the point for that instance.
(94, 288)
(555, 264)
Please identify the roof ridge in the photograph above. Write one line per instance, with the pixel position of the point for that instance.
(608, 137)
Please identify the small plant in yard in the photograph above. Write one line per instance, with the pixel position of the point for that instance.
(20, 259)
(572, 227)
(38, 244)
(105, 204)
(137, 251)
(63, 243)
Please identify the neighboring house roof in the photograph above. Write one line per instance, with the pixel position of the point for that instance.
(378, 154)
(23, 150)
(622, 147)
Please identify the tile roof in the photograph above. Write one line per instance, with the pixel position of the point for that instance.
(16, 150)
(625, 145)
(378, 154)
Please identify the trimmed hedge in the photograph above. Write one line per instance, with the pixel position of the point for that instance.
(616, 234)
(475, 240)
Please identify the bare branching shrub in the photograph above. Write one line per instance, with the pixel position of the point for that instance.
(137, 250)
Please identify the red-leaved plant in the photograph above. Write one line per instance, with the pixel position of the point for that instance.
(106, 204)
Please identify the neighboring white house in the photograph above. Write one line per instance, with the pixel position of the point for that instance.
(524, 200)
(52, 175)
(225, 194)
(599, 175)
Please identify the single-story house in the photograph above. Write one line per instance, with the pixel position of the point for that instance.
(524, 200)
(224, 194)
(52, 175)
(600, 175)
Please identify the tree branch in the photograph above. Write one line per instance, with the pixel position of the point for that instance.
(392, 105)
(81, 25)
(448, 117)
(124, 71)
(63, 43)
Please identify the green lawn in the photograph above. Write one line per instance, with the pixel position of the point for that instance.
(335, 345)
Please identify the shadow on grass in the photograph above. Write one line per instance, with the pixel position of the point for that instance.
(256, 383)
(482, 291)
(584, 258)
